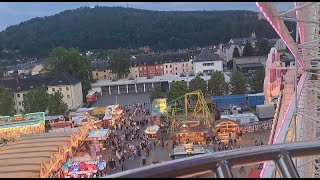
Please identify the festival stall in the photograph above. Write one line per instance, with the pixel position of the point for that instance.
(112, 114)
(58, 160)
(15, 126)
(99, 135)
(152, 132)
(57, 122)
(226, 127)
(192, 132)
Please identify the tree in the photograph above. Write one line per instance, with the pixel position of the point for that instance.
(235, 52)
(178, 89)
(237, 83)
(198, 84)
(69, 60)
(36, 100)
(248, 50)
(230, 64)
(156, 94)
(120, 63)
(55, 104)
(217, 84)
(257, 80)
(6, 102)
(262, 47)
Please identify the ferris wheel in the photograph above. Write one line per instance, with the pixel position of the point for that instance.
(297, 116)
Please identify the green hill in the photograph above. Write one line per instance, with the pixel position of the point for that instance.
(113, 27)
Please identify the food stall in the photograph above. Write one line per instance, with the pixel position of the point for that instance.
(99, 135)
(56, 122)
(226, 127)
(152, 132)
(192, 132)
(112, 114)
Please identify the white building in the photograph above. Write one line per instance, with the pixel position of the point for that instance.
(207, 62)
(70, 88)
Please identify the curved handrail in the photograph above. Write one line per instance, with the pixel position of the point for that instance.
(235, 157)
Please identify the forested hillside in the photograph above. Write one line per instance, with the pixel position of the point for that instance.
(113, 27)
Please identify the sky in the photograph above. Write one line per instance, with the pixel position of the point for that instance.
(12, 13)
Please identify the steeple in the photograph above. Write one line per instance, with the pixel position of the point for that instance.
(253, 35)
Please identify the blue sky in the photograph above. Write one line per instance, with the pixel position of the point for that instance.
(15, 12)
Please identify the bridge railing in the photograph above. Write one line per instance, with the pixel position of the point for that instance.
(220, 163)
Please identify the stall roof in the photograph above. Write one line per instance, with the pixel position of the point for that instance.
(201, 128)
(99, 133)
(152, 129)
(22, 159)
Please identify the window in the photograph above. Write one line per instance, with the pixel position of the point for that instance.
(105, 76)
(208, 64)
(176, 68)
(14, 103)
(166, 66)
(20, 110)
(68, 96)
(166, 72)
(156, 67)
(60, 89)
(187, 65)
(145, 67)
(96, 74)
(67, 88)
(145, 74)
(160, 67)
(157, 73)
(53, 89)
(18, 95)
(19, 103)
(151, 70)
(170, 66)
(140, 68)
(182, 65)
(251, 120)
(23, 95)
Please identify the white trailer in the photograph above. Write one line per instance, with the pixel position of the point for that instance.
(242, 118)
(265, 111)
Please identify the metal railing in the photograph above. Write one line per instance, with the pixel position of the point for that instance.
(220, 163)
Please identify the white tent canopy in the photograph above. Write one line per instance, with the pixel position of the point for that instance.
(152, 129)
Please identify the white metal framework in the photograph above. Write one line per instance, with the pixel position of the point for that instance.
(300, 104)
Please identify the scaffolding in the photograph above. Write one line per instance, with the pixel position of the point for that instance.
(190, 107)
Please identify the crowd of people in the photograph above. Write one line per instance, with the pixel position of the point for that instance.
(127, 139)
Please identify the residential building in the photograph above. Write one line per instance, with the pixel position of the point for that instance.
(134, 72)
(225, 51)
(100, 71)
(23, 69)
(69, 86)
(149, 65)
(250, 63)
(178, 63)
(37, 69)
(207, 62)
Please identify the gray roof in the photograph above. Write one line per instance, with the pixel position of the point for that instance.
(207, 55)
(241, 41)
(32, 82)
(99, 65)
(250, 65)
(23, 66)
(64, 79)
